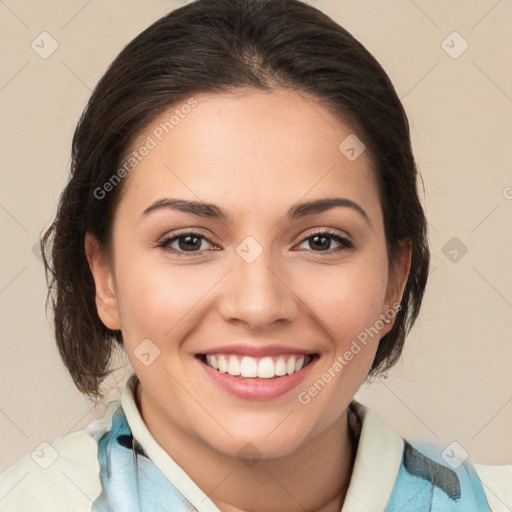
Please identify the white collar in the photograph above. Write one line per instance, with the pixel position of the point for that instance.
(378, 459)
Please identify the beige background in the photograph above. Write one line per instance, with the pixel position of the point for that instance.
(454, 381)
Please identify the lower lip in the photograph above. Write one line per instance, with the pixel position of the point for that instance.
(255, 388)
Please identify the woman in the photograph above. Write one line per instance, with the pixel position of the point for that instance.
(243, 220)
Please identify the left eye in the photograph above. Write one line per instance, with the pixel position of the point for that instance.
(191, 242)
(324, 238)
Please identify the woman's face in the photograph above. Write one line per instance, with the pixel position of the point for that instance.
(236, 276)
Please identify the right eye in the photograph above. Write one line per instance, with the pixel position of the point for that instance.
(187, 242)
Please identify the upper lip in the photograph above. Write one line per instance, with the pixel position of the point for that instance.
(244, 349)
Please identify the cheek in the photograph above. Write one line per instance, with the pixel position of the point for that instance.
(348, 298)
(155, 296)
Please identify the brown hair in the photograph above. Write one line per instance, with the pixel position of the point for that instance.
(210, 46)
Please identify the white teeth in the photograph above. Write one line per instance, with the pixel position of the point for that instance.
(250, 367)
(280, 368)
(223, 364)
(212, 361)
(234, 366)
(299, 364)
(266, 368)
(290, 366)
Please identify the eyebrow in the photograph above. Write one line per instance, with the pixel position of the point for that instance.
(213, 211)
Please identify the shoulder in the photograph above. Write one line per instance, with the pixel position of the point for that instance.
(497, 482)
(448, 481)
(417, 475)
(61, 476)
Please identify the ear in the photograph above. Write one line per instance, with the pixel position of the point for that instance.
(101, 269)
(396, 285)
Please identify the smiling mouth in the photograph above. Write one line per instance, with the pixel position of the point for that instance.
(268, 367)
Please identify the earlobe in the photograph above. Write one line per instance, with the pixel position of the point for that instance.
(102, 272)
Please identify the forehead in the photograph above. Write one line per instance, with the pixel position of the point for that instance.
(247, 149)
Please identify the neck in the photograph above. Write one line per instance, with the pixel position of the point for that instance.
(315, 477)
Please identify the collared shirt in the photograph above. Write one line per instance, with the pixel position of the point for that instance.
(116, 465)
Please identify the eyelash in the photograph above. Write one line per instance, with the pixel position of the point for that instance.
(344, 242)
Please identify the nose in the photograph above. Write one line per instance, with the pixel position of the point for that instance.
(258, 294)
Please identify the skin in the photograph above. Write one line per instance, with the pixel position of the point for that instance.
(254, 154)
